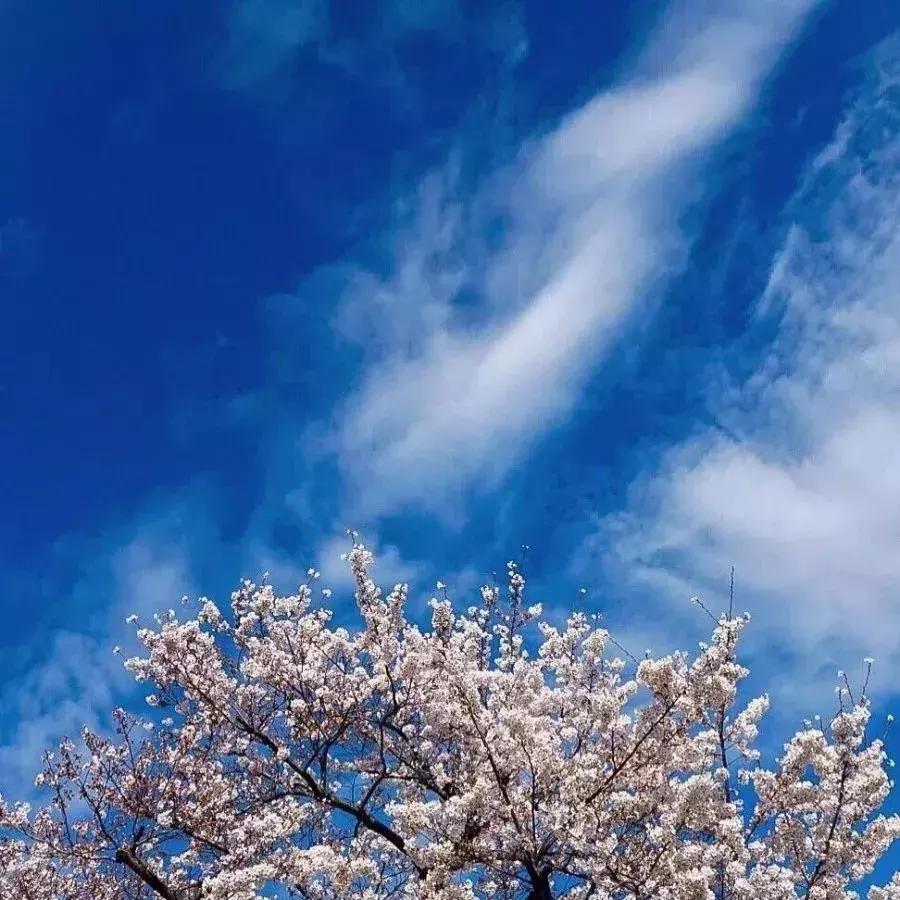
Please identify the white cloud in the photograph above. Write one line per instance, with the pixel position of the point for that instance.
(800, 488)
(70, 689)
(590, 215)
(75, 678)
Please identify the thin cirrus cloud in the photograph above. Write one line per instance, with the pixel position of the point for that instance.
(265, 36)
(266, 39)
(76, 679)
(451, 397)
(799, 488)
(590, 213)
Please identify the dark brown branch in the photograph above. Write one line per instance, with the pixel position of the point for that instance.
(129, 859)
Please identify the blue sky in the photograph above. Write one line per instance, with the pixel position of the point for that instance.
(621, 286)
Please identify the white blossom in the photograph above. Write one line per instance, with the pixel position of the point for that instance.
(491, 755)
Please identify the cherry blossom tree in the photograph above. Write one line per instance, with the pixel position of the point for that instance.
(489, 756)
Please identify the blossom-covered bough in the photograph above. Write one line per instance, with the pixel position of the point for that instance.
(293, 758)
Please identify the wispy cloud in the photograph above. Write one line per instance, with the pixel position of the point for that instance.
(59, 696)
(799, 485)
(589, 218)
(496, 304)
(268, 41)
(264, 38)
(74, 678)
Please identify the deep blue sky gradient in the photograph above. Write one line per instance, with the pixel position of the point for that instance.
(157, 210)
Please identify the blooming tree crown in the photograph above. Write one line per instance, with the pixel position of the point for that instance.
(291, 757)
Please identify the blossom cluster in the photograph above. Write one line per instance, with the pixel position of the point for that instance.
(491, 755)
